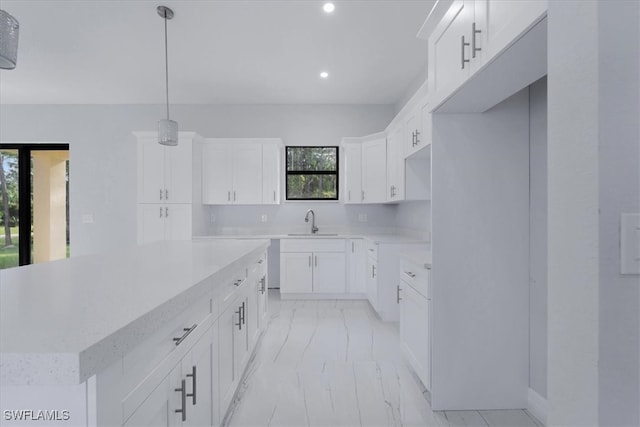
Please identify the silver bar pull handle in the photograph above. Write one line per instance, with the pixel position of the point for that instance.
(187, 331)
(316, 260)
(417, 137)
(166, 194)
(462, 50)
(183, 398)
(160, 211)
(239, 313)
(166, 212)
(362, 194)
(353, 247)
(398, 299)
(274, 196)
(349, 195)
(234, 196)
(410, 274)
(474, 49)
(192, 375)
(161, 194)
(228, 196)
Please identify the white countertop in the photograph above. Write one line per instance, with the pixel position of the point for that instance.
(376, 238)
(418, 257)
(62, 322)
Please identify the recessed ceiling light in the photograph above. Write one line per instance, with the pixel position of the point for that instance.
(324, 75)
(329, 7)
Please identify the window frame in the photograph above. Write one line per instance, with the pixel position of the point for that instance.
(335, 173)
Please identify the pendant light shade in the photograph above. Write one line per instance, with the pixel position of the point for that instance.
(167, 128)
(9, 29)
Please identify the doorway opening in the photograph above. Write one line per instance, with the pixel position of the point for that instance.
(34, 203)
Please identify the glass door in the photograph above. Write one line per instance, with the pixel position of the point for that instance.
(9, 208)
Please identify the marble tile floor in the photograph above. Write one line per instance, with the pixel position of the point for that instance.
(333, 363)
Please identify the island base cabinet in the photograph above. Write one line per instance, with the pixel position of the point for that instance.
(415, 332)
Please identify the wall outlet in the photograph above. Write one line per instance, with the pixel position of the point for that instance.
(212, 218)
(362, 217)
(263, 217)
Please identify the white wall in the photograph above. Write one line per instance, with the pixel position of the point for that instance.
(538, 237)
(103, 155)
(480, 244)
(619, 191)
(594, 164)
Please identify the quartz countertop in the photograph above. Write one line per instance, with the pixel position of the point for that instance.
(376, 238)
(62, 322)
(418, 257)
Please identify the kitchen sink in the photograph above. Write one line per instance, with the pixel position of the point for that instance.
(313, 235)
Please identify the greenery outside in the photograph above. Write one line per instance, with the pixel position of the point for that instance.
(312, 173)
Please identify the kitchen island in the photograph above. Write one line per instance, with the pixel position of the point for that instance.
(91, 340)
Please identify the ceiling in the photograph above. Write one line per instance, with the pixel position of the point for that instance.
(220, 52)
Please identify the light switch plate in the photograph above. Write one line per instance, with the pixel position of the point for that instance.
(630, 243)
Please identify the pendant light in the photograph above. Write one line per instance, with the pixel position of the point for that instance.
(9, 29)
(167, 129)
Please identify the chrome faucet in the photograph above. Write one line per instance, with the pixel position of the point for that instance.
(314, 229)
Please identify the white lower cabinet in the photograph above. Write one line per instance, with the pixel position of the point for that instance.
(188, 372)
(356, 264)
(415, 319)
(312, 266)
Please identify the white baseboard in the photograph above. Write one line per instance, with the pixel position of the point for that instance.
(537, 406)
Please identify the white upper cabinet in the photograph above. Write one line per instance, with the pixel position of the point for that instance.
(451, 49)
(240, 172)
(395, 164)
(374, 167)
(271, 170)
(417, 129)
(353, 172)
(164, 173)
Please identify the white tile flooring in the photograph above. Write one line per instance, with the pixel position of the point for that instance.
(334, 363)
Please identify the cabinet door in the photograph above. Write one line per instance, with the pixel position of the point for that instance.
(296, 272)
(151, 171)
(372, 282)
(178, 220)
(447, 54)
(374, 166)
(157, 409)
(217, 178)
(357, 266)
(179, 173)
(395, 165)
(413, 131)
(415, 330)
(196, 368)
(502, 22)
(247, 174)
(353, 173)
(329, 272)
(151, 220)
(227, 327)
(271, 161)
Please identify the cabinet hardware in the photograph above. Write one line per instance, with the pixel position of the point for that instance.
(160, 211)
(260, 261)
(462, 49)
(417, 137)
(362, 194)
(238, 282)
(474, 49)
(373, 271)
(166, 212)
(192, 375)
(410, 274)
(316, 260)
(349, 195)
(353, 247)
(161, 194)
(263, 284)
(166, 194)
(234, 196)
(187, 331)
(398, 299)
(239, 324)
(244, 321)
(228, 196)
(183, 398)
(274, 196)
(414, 138)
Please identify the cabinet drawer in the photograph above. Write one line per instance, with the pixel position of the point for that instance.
(160, 344)
(312, 245)
(418, 277)
(372, 249)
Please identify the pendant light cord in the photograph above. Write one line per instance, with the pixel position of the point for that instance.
(166, 62)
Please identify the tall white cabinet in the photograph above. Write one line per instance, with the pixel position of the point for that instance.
(165, 193)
